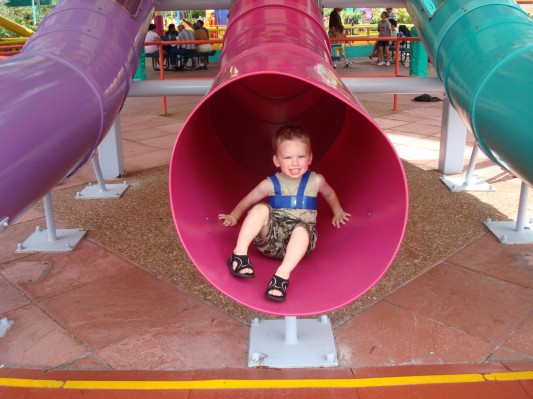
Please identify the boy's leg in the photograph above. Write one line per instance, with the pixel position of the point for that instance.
(296, 249)
(254, 224)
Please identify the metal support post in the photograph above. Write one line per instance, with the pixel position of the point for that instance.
(101, 190)
(470, 182)
(279, 344)
(510, 232)
(291, 330)
(51, 239)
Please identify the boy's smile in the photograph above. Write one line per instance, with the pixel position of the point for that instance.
(293, 158)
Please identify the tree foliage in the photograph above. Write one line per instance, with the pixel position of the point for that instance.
(22, 16)
(401, 15)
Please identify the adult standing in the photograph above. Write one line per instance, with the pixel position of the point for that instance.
(335, 19)
(392, 14)
(384, 29)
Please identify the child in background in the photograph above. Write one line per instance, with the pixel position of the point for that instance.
(340, 34)
(284, 228)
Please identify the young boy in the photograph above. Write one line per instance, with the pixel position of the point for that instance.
(283, 228)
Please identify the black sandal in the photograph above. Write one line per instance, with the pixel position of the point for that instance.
(243, 262)
(280, 284)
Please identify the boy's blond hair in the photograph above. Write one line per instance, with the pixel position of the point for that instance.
(290, 132)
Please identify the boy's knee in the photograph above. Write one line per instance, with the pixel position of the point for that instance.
(260, 209)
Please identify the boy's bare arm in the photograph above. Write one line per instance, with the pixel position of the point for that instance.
(253, 197)
(339, 216)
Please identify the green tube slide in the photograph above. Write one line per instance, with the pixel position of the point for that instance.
(483, 53)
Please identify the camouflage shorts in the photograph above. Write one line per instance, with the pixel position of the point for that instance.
(280, 227)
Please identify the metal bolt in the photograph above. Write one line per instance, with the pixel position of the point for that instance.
(324, 319)
(38, 229)
(20, 247)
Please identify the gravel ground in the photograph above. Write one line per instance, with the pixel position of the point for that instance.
(140, 228)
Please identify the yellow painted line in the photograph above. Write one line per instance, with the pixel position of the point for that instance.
(269, 384)
(27, 383)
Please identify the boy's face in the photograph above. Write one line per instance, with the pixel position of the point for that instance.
(293, 158)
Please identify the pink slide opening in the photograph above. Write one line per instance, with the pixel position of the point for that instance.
(276, 70)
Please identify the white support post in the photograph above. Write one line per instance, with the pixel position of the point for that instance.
(522, 208)
(279, 344)
(510, 232)
(291, 330)
(51, 239)
(470, 182)
(49, 217)
(452, 140)
(101, 190)
(111, 153)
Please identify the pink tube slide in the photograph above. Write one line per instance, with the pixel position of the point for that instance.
(275, 70)
(61, 94)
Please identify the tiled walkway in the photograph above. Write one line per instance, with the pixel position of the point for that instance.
(91, 309)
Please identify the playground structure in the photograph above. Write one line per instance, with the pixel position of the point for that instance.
(234, 85)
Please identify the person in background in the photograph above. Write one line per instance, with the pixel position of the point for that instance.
(392, 13)
(200, 24)
(335, 19)
(201, 34)
(183, 50)
(384, 29)
(341, 52)
(151, 36)
(171, 32)
(394, 28)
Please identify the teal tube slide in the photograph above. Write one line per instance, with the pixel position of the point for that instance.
(483, 53)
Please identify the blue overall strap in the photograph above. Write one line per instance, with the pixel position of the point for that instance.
(298, 201)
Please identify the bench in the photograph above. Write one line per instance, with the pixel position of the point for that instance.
(155, 60)
(198, 55)
(405, 50)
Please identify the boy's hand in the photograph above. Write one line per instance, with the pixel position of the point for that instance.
(228, 220)
(340, 218)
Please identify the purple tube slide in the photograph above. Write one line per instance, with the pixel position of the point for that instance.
(275, 70)
(62, 93)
